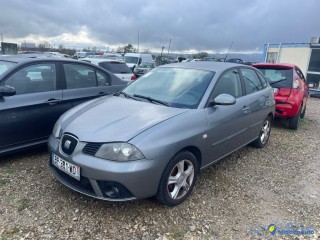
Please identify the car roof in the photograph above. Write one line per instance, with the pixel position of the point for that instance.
(26, 59)
(98, 60)
(285, 65)
(205, 65)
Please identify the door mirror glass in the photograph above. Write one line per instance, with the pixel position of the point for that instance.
(7, 91)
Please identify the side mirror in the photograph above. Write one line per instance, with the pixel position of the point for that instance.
(222, 99)
(311, 85)
(7, 91)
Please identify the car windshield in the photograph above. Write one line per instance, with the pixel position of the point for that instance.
(146, 65)
(131, 59)
(278, 76)
(115, 67)
(176, 87)
(4, 66)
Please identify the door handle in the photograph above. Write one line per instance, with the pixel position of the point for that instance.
(246, 109)
(52, 101)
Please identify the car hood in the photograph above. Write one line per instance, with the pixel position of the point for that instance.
(115, 119)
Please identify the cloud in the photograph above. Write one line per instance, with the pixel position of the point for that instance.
(203, 25)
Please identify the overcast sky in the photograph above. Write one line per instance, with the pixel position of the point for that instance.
(192, 25)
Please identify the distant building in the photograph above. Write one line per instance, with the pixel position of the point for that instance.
(28, 45)
(9, 48)
(305, 55)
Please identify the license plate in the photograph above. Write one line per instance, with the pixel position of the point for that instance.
(68, 168)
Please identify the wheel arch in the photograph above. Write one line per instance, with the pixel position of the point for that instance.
(195, 151)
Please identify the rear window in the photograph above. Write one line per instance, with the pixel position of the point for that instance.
(115, 67)
(278, 77)
(4, 66)
(130, 59)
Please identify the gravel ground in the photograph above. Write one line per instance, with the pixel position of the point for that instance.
(234, 199)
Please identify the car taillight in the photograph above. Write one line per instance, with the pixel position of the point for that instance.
(133, 77)
(296, 81)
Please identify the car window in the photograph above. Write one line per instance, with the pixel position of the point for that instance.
(34, 78)
(129, 59)
(251, 80)
(279, 77)
(79, 76)
(4, 66)
(177, 87)
(116, 67)
(263, 80)
(103, 79)
(228, 83)
(300, 74)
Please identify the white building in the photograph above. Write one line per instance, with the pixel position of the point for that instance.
(305, 55)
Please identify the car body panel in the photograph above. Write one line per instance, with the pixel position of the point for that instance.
(113, 124)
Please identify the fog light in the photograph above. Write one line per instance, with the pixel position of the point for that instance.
(112, 192)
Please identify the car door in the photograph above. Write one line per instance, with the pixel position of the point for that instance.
(227, 124)
(256, 101)
(29, 116)
(84, 82)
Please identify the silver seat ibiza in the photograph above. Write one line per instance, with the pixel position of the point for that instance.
(154, 137)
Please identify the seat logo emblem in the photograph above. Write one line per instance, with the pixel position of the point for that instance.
(67, 144)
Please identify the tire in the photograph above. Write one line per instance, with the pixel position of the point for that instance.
(264, 134)
(303, 112)
(185, 165)
(295, 121)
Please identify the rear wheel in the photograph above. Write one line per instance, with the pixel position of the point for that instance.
(264, 134)
(295, 121)
(178, 179)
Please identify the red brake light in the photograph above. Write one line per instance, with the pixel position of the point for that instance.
(133, 77)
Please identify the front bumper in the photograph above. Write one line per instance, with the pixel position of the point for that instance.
(109, 180)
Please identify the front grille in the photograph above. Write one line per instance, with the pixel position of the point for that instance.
(68, 143)
(83, 185)
(122, 191)
(91, 148)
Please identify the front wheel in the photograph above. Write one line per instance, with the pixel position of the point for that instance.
(264, 134)
(178, 179)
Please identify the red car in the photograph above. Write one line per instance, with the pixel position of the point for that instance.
(290, 90)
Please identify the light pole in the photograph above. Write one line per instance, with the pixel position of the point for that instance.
(162, 50)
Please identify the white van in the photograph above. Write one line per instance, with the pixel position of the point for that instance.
(134, 59)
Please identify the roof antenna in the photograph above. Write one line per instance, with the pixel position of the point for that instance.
(228, 51)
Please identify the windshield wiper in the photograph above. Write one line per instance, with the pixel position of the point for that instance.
(281, 80)
(150, 99)
(124, 94)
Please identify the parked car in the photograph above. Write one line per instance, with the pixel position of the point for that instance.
(235, 60)
(134, 59)
(113, 56)
(117, 67)
(143, 68)
(174, 121)
(290, 90)
(35, 92)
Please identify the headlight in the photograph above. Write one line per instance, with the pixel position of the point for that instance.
(56, 132)
(119, 152)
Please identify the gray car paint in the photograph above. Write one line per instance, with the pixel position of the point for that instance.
(213, 132)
